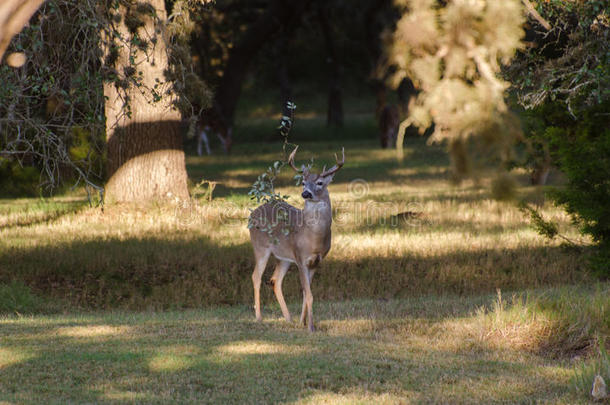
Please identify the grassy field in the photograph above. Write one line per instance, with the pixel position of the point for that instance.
(400, 230)
(406, 302)
(424, 350)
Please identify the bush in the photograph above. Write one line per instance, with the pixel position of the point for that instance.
(582, 152)
(564, 82)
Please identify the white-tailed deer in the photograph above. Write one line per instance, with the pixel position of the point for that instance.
(294, 236)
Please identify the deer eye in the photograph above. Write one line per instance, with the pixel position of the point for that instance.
(320, 183)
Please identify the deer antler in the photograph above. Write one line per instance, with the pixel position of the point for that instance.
(336, 167)
(291, 160)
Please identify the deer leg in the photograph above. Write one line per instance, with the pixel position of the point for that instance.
(304, 307)
(278, 276)
(257, 275)
(307, 295)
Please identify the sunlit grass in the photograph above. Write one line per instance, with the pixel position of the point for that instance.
(91, 331)
(9, 357)
(419, 350)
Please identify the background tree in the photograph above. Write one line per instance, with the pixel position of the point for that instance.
(453, 53)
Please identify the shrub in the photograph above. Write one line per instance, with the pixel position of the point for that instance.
(582, 152)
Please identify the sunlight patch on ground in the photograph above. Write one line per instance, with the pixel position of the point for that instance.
(258, 347)
(93, 331)
(116, 395)
(357, 398)
(170, 362)
(174, 358)
(10, 357)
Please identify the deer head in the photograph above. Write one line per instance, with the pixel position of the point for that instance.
(315, 185)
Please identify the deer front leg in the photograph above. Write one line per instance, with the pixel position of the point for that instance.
(307, 296)
(278, 276)
(304, 307)
(257, 275)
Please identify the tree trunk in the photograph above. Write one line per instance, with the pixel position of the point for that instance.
(145, 154)
(374, 22)
(334, 114)
(279, 13)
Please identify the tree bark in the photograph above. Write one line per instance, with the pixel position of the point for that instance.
(334, 114)
(145, 154)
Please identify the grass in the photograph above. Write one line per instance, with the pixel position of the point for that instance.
(415, 350)
(152, 303)
(194, 253)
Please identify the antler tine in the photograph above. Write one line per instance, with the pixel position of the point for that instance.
(336, 167)
(291, 160)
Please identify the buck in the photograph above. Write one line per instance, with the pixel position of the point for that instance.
(294, 236)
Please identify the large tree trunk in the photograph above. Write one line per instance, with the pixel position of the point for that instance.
(145, 154)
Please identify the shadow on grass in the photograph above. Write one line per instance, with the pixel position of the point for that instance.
(243, 166)
(41, 213)
(209, 357)
(408, 222)
(179, 272)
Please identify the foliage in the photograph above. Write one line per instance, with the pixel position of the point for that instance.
(17, 180)
(263, 189)
(582, 151)
(453, 51)
(542, 226)
(564, 83)
(53, 107)
(57, 90)
(570, 63)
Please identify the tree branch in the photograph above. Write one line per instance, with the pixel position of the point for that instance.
(536, 15)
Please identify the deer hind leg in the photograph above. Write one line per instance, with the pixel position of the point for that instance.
(278, 276)
(257, 275)
(306, 275)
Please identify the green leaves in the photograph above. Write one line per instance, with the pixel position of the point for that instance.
(453, 53)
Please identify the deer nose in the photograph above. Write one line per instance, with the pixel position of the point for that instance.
(306, 194)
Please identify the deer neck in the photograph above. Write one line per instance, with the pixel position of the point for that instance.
(317, 215)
